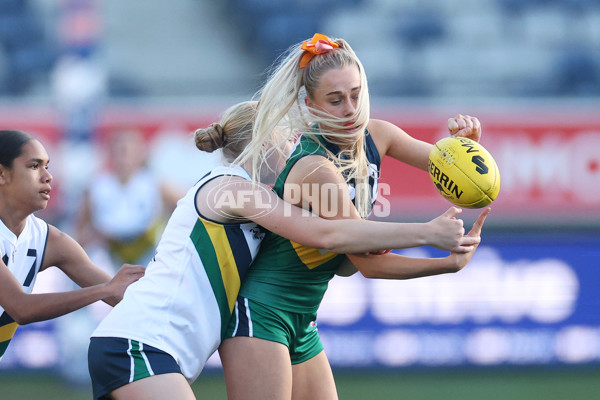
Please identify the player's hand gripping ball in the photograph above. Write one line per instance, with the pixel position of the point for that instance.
(464, 172)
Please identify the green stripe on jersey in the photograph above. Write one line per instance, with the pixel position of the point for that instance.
(208, 256)
(3, 346)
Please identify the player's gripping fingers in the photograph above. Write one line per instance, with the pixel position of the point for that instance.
(478, 225)
(467, 120)
(457, 124)
(452, 211)
(465, 126)
(458, 224)
(453, 127)
(476, 124)
(126, 275)
(462, 249)
(475, 129)
(133, 269)
(467, 244)
(129, 273)
(470, 241)
(447, 223)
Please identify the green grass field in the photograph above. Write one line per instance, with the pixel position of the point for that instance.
(459, 384)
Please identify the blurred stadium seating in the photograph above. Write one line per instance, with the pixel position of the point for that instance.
(432, 48)
(26, 52)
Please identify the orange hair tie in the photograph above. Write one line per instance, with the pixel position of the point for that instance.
(319, 44)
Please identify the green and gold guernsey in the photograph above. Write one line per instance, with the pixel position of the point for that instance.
(286, 274)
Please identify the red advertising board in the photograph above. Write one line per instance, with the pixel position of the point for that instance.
(549, 158)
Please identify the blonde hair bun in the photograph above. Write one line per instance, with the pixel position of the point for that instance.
(211, 138)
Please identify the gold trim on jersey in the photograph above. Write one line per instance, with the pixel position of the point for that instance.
(311, 257)
(8, 331)
(226, 260)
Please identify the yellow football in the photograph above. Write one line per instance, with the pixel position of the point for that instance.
(464, 172)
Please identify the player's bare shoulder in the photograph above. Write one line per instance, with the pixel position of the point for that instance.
(384, 133)
(312, 169)
(380, 127)
(58, 247)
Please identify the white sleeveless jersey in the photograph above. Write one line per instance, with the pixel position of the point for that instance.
(183, 303)
(23, 255)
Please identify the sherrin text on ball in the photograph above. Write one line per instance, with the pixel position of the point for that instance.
(464, 172)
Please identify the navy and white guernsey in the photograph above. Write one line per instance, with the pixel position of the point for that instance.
(183, 303)
(23, 255)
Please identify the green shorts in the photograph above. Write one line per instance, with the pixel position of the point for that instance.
(297, 331)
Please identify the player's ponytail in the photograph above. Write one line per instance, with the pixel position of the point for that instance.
(231, 134)
(211, 138)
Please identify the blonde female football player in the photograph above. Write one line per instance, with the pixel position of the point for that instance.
(157, 340)
(28, 245)
(272, 347)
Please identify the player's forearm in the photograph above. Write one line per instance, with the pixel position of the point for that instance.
(359, 236)
(394, 266)
(343, 235)
(44, 306)
(84, 273)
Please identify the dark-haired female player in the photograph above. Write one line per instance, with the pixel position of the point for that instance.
(29, 245)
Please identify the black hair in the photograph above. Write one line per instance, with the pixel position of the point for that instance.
(11, 145)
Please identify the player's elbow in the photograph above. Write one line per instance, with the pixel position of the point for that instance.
(22, 310)
(331, 241)
(24, 320)
(329, 245)
(369, 273)
(341, 242)
(21, 316)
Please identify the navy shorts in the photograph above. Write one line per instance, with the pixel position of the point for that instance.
(114, 362)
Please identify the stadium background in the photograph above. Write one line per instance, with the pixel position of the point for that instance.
(521, 321)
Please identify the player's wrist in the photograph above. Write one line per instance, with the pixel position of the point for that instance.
(451, 264)
(426, 236)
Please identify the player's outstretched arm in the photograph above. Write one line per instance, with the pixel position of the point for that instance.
(26, 308)
(394, 142)
(63, 252)
(394, 266)
(343, 235)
